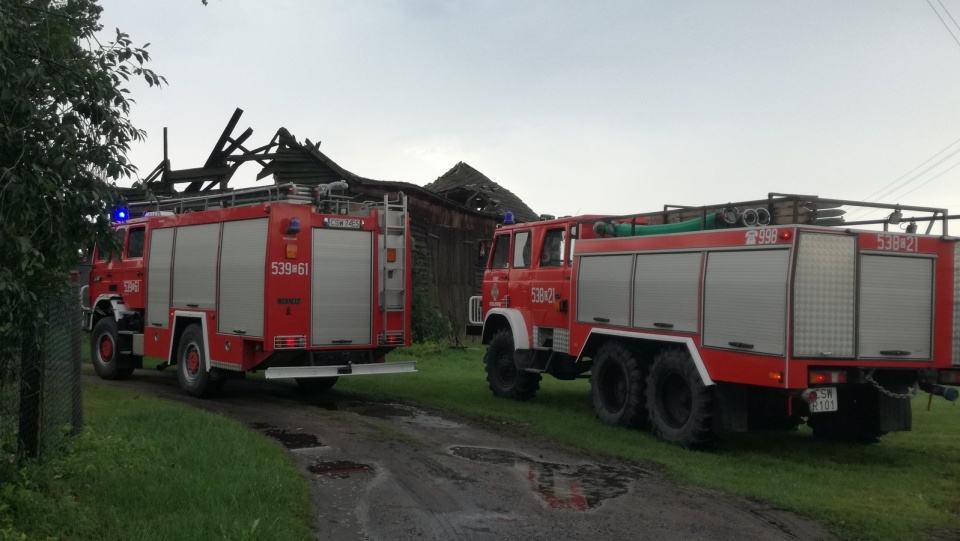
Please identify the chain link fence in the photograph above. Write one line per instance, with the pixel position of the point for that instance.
(40, 394)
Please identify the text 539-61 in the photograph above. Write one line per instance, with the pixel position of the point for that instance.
(285, 268)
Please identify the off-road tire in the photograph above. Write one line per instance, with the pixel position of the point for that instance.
(192, 371)
(680, 405)
(504, 377)
(105, 351)
(618, 385)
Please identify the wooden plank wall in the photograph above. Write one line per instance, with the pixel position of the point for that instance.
(445, 241)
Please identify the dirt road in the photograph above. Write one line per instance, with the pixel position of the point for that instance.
(395, 472)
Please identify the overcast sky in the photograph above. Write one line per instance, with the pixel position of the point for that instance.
(577, 107)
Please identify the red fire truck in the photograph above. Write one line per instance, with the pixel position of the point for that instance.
(288, 279)
(730, 318)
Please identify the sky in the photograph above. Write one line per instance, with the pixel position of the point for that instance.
(578, 107)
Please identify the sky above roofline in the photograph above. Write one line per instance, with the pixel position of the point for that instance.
(576, 107)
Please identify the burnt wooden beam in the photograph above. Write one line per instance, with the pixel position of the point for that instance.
(157, 171)
(235, 143)
(187, 175)
(222, 141)
(252, 157)
(216, 155)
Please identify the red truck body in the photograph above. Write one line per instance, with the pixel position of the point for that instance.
(694, 332)
(280, 283)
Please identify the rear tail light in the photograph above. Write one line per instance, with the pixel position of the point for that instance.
(809, 396)
(823, 377)
(950, 376)
(392, 339)
(289, 342)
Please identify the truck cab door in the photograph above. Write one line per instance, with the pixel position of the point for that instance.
(521, 272)
(105, 273)
(550, 283)
(496, 283)
(132, 267)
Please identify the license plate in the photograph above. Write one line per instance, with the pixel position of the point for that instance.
(344, 223)
(826, 400)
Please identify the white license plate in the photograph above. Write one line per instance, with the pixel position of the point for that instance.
(826, 400)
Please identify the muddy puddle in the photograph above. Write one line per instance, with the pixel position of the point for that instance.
(388, 410)
(338, 469)
(290, 439)
(579, 487)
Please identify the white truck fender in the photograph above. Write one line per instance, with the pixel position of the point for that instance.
(521, 338)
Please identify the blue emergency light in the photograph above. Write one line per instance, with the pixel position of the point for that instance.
(120, 214)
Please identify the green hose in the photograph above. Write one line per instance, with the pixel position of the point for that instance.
(627, 230)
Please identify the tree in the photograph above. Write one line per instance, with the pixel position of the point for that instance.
(64, 136)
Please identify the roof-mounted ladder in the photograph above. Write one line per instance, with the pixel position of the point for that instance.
(393, 278)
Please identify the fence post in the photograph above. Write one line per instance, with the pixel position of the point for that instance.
(76, 391)
(31, 391)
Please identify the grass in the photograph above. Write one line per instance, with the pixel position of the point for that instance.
(908, 483)
(149, 469)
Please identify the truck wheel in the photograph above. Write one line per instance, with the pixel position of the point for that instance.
(681, 406)
(192, 365)
(504, 377)
(105, 350)
(618, 386)
(316, 385)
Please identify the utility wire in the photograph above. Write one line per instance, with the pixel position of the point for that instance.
(947, 11)
(945, 25)
(888, 190)
(908, 173)
(940, 174)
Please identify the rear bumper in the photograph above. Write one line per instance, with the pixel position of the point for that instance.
(286, 372)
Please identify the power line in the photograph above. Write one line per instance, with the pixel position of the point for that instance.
(892, 187)
(945, 25)
(908, 173)
(930, 179)
(947, 11)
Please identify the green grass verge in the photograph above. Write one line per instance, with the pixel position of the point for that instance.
(905, 485)
(149, 469)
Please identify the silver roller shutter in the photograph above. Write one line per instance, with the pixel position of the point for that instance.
(896, 307)
(666, 292)
(745, 301)
(342, 284)
(603, 289)
(243, 256)
(158, 278)
(195, 266)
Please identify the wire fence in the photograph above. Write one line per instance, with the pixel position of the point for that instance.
(40, 395)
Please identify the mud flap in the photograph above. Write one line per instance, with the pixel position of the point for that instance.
(895, 414)
(730, 408)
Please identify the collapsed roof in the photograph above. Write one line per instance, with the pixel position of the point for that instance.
(284, 159)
